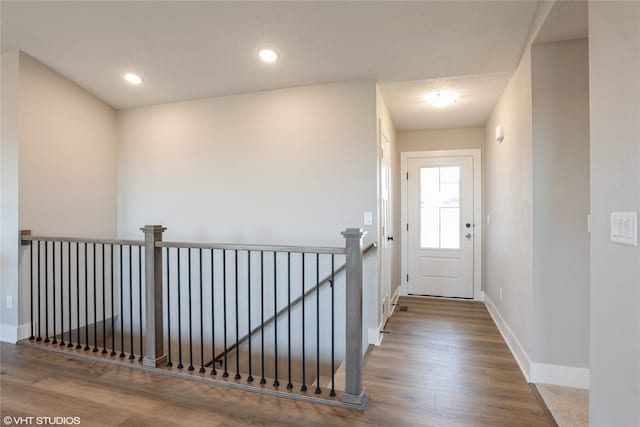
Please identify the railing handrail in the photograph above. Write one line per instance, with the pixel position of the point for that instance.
(193, 245)
(27, 238)
(251, 247)
(283, 310)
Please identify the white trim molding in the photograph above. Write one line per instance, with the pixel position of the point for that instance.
(567, 376)
(534, 372)
(394, 300)
(12, 334)
(374, 337)
(521, 356)
(8, 333)
(476, 153)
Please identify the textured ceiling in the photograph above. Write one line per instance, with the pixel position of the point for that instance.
(187, 50)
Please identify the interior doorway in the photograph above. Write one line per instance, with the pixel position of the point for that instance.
(386, 232)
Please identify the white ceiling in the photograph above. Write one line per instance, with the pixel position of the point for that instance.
(187, 50)
(478, 94)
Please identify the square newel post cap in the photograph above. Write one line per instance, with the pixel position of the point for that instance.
(23, 234)
(153, 228)
(353, 233)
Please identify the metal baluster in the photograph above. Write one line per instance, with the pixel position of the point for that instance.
(39, 297)
(31, 337)
(237, 376)
(104, 308)
(250, 377)
(86, 300)
(202, 370)
(289, 384)
(61, 298)
(180, 365)
(304, 376)
(70, 343)
(213, 319)
(276, 383)
(113, 303)
(224, 310)
(95, 303)
(121, 305)
(46, 292)
(169, 362)
(190, 314)
(78, 345)
(318, 390)
(140, 296)
(131, 355)
(53, 284)
(333, 365)
(262, 380)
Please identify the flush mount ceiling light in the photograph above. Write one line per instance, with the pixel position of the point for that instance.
(268, 55)
(133, 79)
(441, 98)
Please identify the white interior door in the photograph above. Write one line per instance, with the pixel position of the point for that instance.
(387, 229)
(440, 226)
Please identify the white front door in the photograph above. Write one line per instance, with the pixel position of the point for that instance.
(440, 226)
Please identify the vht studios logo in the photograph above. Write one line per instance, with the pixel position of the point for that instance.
(49, 421)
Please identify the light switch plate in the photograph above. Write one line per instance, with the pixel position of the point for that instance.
(368, 218)
(624, 228)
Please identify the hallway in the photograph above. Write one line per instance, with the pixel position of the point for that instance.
(442, 363)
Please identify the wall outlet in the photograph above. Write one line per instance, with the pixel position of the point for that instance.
(500, 294)
(9, 301)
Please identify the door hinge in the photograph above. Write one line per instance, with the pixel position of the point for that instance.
(407, 226)
(407, 175)
(407, 277)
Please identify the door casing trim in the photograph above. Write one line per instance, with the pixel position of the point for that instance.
(477, 213)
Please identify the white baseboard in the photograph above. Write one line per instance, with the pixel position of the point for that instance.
(8, 333)
(394, 300)
(567, 376)
(24, 331)
(375, 337)
(534, 372)
(512, 341)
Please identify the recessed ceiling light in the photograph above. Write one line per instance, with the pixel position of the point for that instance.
(133, 79)
(268, 55)
(441, 98)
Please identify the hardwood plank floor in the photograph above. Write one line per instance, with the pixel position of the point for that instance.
(443, 363)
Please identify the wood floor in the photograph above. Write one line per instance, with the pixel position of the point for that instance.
(443, 363)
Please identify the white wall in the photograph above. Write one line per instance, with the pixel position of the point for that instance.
(441, 139)
(508, 204)
(67, 156)
(63, 182)
(614, 62)
(286, 166)
(293, 166)
(560, 90)
(9, 195)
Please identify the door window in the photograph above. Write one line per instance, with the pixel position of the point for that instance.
(440, 207)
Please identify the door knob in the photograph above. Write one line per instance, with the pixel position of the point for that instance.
(468, 235)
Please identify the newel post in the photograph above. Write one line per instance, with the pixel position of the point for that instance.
(154, 339)
(354, 391)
